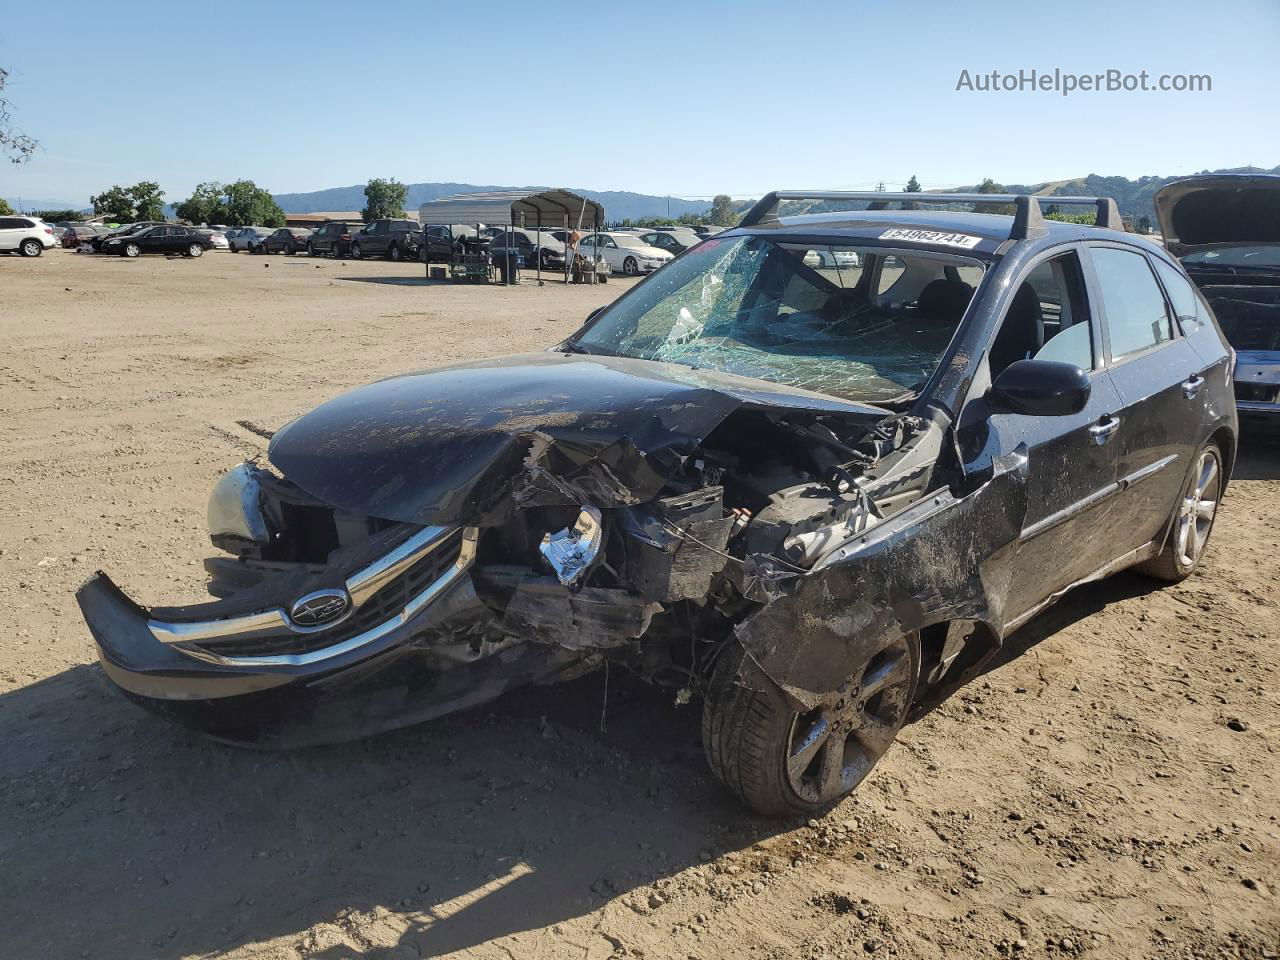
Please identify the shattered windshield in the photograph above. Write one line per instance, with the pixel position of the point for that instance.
(858, 323)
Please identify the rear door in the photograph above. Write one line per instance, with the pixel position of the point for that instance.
(1160, 379)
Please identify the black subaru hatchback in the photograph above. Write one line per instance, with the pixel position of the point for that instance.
(815, 470)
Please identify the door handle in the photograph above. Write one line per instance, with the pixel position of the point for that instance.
(1191, 386)
(1104, 428)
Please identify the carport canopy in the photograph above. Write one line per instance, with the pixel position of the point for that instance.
(515, 208)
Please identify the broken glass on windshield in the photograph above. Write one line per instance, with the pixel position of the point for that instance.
(861, 323)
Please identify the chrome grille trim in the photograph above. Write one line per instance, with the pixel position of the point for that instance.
(361, 586)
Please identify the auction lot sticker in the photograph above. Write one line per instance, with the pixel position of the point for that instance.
(932, 236)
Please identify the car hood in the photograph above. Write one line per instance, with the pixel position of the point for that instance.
(469, 443)
(1201, 212)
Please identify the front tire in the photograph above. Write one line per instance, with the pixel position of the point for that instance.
(355, 251)
(630, 267)
(31, 248)
(1192, 519)
(782, 763)
(394, 253)
(311, 251)
(132, 250)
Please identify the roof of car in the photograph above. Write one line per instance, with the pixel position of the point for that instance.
(992, 230)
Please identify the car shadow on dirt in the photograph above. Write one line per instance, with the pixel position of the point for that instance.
(124, 836)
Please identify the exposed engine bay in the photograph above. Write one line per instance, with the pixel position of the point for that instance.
(656, 585)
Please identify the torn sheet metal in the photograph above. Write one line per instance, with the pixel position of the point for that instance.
(944, 558)
(592, 618)
(468, 444)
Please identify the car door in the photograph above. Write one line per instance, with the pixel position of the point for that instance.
(1160, 378)
(153, 239)
(1071, 459)
(378, 232)
(11, 231)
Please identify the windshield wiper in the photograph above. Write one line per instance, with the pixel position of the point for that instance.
(573, 346)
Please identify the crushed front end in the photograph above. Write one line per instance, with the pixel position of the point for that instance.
(511, 545)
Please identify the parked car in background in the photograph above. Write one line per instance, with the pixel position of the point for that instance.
(217, 238)
(82, 233)
(127, 230)
(286, 240)
(439, 241)
(392, 239)
(246, 238)
(531, 249)
(674, 240)
(334, 238)
(625, 253)
(29, 236)
(166, 238)
(1225, 230)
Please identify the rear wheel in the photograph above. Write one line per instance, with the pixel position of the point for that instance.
(1192, 519)
(31, 248)
(311, 251)
(394, 253)
(780, 762)
(195, 250)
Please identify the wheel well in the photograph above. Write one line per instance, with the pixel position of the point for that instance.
(1225, 438)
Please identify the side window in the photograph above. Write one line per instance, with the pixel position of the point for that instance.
(1132, 303)
(1186, 305)
(1047, 319)
(8, 223)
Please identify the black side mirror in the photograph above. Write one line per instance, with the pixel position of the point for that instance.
(1040, 388)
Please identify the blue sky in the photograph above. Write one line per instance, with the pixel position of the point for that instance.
(691, 99)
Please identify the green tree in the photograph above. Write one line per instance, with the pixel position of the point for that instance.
(5, 209)
(990, 186)
(142, 201)
(244, 203)
(14, 143)
(203, 205)
(913, 185)
(722, 213)
(52, 216)
(384, 199)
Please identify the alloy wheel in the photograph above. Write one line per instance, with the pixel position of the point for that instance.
(1198, 508)
(833, 747)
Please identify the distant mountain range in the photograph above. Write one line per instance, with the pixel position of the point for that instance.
(1133, 197)
(618, 204)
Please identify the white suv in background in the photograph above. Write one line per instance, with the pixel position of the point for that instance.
(28, 235)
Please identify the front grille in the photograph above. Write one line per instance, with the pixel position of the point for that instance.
(384, 605)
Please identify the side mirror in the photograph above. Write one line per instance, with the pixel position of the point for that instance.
(1040, 388)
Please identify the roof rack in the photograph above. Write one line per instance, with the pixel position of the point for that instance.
(1028, 221)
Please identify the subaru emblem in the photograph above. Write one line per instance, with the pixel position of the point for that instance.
(322, 608)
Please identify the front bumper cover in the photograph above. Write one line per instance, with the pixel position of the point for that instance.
(397, 672)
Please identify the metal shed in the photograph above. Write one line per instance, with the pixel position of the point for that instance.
(526, 209)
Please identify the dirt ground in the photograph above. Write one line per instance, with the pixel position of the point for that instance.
(1085, 798)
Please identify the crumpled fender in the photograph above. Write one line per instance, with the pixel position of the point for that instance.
(944, 558)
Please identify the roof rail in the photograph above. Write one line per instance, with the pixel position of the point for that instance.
(1028, 221)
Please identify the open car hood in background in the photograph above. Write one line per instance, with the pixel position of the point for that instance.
(1205, 211)
(468, 443)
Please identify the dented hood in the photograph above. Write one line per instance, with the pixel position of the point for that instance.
(469, 443)
(1205, 211)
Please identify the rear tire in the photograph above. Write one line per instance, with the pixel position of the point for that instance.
(394, 253)
(782, 763)
(1193, 518)
(311, 251)
(195, 250)
(31, 248)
